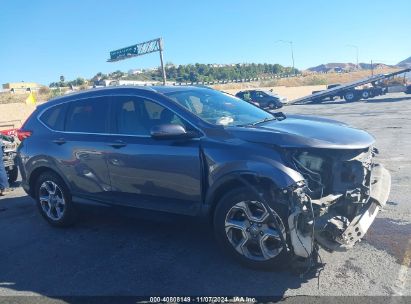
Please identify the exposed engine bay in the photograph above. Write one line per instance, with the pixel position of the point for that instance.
(339, 199)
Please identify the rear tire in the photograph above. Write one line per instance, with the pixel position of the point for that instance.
(54, 200)
(256, 243)
(350, 96)
(365, 94)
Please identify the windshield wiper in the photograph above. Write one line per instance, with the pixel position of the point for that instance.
(261, 121)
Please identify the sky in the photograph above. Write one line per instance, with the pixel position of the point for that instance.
(41, 40)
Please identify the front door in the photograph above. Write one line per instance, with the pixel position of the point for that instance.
(148, 173)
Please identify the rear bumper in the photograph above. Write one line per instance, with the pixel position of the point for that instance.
(358, 227)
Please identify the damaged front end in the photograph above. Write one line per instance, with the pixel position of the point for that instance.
(338, 200)
(9, 146)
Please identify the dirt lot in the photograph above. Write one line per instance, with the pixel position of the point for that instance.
(14, 114)
(105, 254)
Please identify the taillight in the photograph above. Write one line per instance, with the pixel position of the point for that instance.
(23, 134)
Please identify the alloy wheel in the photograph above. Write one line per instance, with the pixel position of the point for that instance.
(52, 200)
(252, 233)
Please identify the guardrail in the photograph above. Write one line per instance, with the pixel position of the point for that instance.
(234, 80)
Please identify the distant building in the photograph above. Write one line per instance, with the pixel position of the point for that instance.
(115, 82)
(135, 72)
(21, 86)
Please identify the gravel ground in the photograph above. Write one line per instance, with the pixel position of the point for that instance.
(110, 255)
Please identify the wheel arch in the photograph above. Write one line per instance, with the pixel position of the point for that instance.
(37, 172)
(234, 180)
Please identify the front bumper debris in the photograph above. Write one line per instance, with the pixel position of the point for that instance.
(9, 153)
(8, 160)
(343, 239)
(380, 189)
(334, 230)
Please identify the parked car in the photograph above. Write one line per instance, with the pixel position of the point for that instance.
(264, 99)
(274, 186)
(9, 147)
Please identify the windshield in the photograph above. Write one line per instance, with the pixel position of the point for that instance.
(219, 108)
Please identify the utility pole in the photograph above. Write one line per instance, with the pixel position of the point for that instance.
(292, 55)
(160, 42)
(372, 69)
(356, 51)
(292, 51)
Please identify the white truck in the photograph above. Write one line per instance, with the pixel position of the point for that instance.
(360, 89)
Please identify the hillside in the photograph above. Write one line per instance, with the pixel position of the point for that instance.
(305, 80)
(345, 67)
(405, 63)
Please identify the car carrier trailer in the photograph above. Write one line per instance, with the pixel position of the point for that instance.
(350, 91)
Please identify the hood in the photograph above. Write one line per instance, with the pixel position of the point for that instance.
(298, 131)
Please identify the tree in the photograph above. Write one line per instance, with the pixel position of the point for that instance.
(197, 72)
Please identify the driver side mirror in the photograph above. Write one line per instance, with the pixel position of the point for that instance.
(171, 131)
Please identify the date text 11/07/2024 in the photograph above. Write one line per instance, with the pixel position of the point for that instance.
(203, 299)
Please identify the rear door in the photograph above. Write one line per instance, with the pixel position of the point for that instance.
(83, 146)
(149, 173)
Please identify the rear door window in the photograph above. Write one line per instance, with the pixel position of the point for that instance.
(54, 117)
(88, 116)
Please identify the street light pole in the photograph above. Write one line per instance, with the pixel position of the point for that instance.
(356, 49)
(292, 51)
(292, 55)
(163, 70)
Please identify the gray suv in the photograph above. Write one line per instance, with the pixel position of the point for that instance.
(274, 186)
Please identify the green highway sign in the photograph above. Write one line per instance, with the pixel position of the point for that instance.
(136, 50)
(155, 45)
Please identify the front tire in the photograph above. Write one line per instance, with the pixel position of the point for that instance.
(243, 229)
(54, 200)
(13, 174)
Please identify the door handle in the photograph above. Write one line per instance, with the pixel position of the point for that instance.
(118, 144)
(59, 141)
